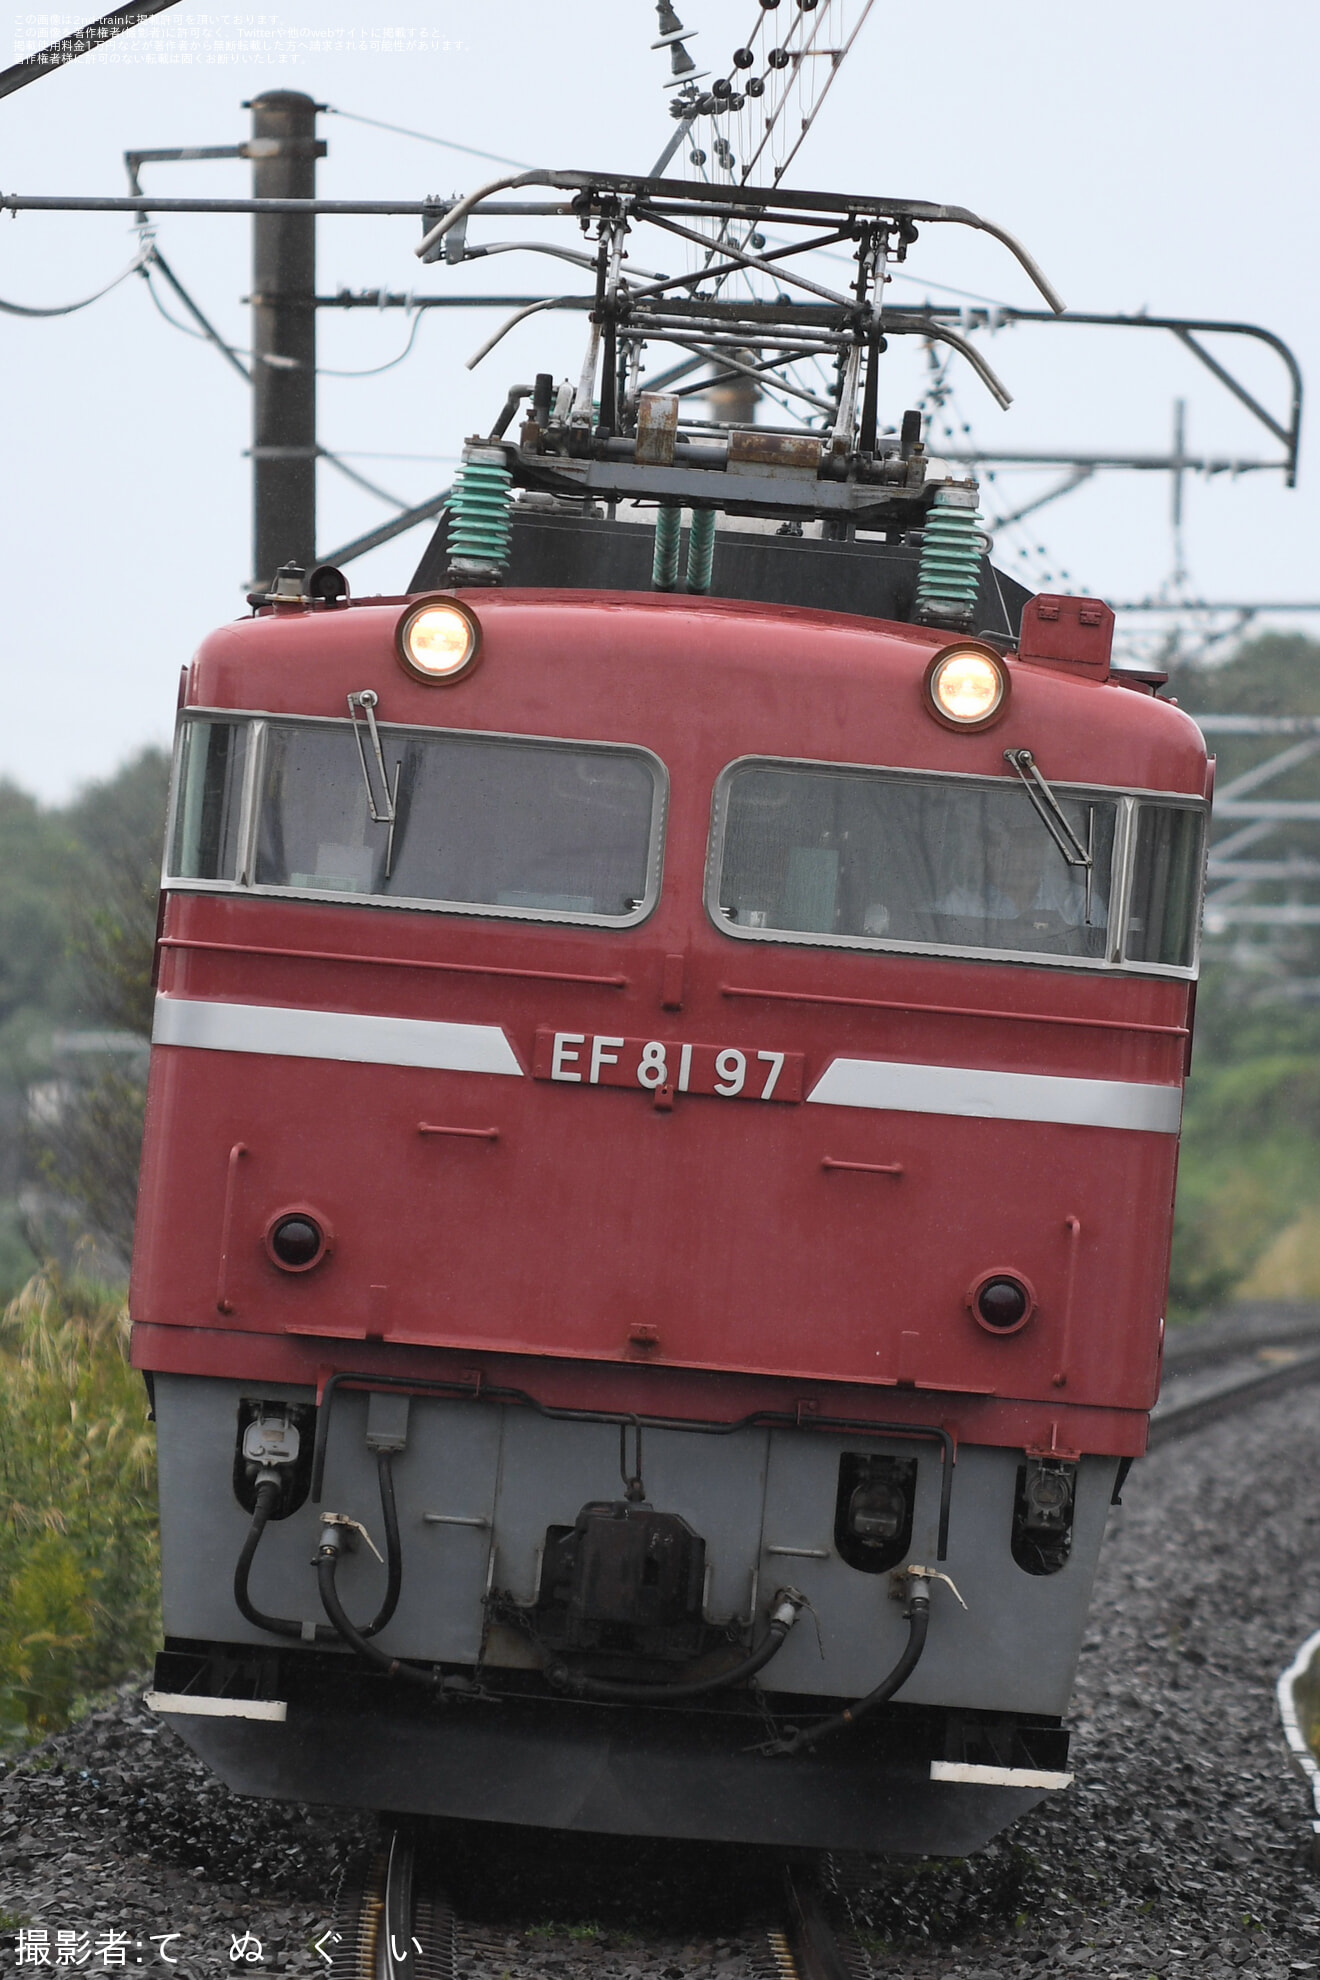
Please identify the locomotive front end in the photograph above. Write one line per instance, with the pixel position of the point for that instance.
(655, 1209)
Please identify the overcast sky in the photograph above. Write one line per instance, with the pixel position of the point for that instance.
(1153, 156)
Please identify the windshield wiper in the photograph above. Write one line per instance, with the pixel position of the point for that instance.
(1054, 819)
(387, 812)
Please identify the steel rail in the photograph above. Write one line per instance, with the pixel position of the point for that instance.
(1206, 1342)
(807, 1941)
(1177, 1420)
(393, 1921)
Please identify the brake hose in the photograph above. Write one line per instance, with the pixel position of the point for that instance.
(918, 1621)
(788, 1606)
(327, 1564)
(268, 1494)
(393, 1550)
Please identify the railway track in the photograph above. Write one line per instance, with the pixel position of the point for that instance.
(393, 1921)
(813, 1947)
(1216, 1371)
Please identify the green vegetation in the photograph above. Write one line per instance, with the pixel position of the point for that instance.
(77, 1505)
(79, 1595)
(1248, 1219)
(1250, 1170)
(77, 919)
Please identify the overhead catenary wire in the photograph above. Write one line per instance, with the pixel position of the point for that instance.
(939, 403)
(424, 137)
(374, 370)
(351, 474)
(774, 137)
(778, 141)
(358, 546)
(71, 46)
(174, 322)
(206, 329)
(745, 265)
(85, 302)
(234, 352)
(917, 281)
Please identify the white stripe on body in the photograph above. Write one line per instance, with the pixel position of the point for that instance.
(998, 1096)
(286, 1033)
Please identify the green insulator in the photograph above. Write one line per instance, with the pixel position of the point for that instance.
(668, 529)
(479, 518)
(701, 549)
(949, 575)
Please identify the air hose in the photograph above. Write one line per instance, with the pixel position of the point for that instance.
(393, 1548)
(480, 526)
(952, 546)
(918, 1621)
(268, 1495)
(327, 1564)
(788, 1606)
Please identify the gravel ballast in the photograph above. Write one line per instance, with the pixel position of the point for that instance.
(1183, 1848)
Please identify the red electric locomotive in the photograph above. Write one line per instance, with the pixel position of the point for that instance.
(660, 1155)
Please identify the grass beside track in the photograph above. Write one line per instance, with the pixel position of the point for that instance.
(79, 1575)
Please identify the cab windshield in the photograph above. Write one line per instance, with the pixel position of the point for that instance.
(498, 824)
(882, 858)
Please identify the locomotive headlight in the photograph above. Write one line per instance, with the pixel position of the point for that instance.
(438, 640)
(967, 686)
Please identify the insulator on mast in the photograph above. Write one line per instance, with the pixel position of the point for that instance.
(480, 524)
(952, 546)
(701, 550)
(668, 531)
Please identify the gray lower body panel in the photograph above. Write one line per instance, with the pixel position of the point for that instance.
(479, 1484)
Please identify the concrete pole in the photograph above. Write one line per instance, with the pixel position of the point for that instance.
(284, 149)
